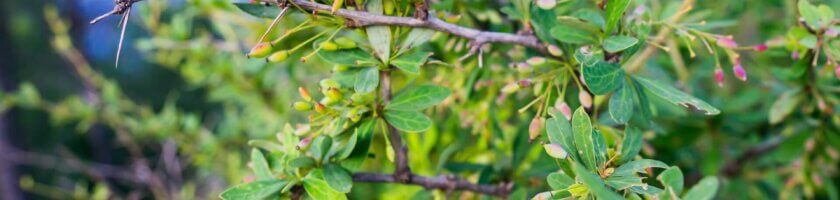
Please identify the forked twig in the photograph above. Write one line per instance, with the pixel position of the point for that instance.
(120, 7)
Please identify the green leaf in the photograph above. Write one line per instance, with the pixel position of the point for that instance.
(591, 16)
(584, 140)
(320, 147)
(416, 37)
(675, 96)
(302, 162)
(614, 11)
(260, 166)
(594, 184)
(254, 190)
(408, 121)
(259, 10)
(318, 189)
(349, 146)
(621, 104)
(638, 166)
(411, 62)
(559, 180)
(618, 43)
(349, 57)
(575, 31)
(672, 180)
(810, 13)
(631, 144)
(588, 59)
(367, 80)
(364, 134)
(624, 182)
(704, 190)
(379, 36)
(600, 145)
(338, 178)
(418, 98)
(603, 77)
(785, 105)
(560, 132)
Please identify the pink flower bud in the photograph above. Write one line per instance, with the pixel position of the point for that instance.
(822, 106)
(564, 108)
(760, 48)
(727, 42)
(832, 32)
(585, 99)
(304, 143)
(555, 151)
(525, 82)
(719, 77)
(542, 196)
(535, 128)
(795, 55)
(739, 72)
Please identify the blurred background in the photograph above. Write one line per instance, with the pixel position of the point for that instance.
(173, 119)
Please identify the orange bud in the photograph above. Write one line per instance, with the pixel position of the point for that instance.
(304, 94)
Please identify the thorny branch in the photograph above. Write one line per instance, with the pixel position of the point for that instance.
(421, 20)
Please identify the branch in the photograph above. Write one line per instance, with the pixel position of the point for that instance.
(478, 37)
(402, 171)
(733, 167)
(443, 182)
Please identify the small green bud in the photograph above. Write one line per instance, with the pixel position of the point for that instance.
(388, 7)
(329, 101)
(302, 106)
(340, 68)
(360, 99)
(329, 46)
(262, 50)
(345, 43)
(334, 93)
(329, 83)
(278, 56)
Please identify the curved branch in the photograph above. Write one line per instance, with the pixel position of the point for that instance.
(361, 18)
(443, 182)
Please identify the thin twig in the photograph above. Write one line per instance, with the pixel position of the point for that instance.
(733, 167)
(443, 182)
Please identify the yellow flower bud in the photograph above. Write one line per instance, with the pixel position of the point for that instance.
(345, 43)
(302, 106)
(278, 56)
(328, 46)
(261, 50)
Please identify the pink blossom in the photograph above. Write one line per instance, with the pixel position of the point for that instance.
(739, 72)
(719, 77)
(564, 108)
(535, 128)
(831, 32)
(795, 55)
(760, 47)
(727, 42)
(585, 99)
